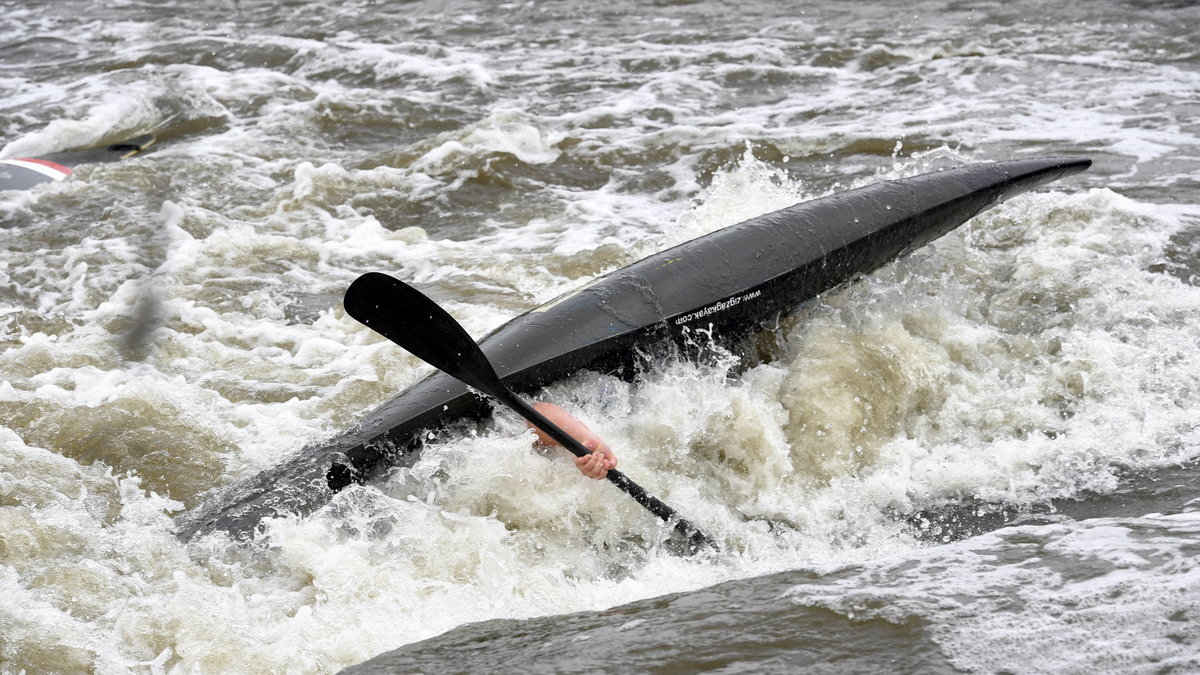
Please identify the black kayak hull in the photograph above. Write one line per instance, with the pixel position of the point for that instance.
(725, 284)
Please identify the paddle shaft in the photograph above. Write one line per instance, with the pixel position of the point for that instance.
(695, 537)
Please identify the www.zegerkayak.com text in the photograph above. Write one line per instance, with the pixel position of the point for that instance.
(717, 307)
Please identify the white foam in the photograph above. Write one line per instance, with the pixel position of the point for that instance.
(505, 131)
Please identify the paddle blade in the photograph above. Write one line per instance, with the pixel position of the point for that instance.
(407, 317)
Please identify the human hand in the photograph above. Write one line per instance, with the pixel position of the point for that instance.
(595, 465)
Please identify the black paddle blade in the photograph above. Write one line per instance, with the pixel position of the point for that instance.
(407, 317)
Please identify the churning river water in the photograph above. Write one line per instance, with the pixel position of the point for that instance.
(980, 458)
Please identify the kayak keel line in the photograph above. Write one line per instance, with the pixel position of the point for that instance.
(407, 317)
(727, 283)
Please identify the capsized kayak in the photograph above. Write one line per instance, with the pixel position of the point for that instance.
(726, 283)
(24, 173)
